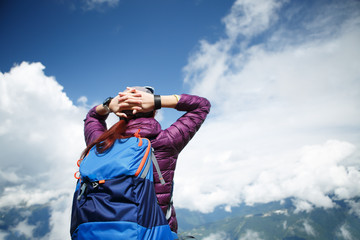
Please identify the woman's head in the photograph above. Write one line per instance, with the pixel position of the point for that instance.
(129, 113)
(147, 89)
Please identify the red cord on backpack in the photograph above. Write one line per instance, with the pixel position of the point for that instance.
(137, 135)
(77, 173)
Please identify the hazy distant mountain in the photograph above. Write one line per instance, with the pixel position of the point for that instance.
(271, 221)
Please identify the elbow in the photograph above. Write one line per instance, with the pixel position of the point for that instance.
(206, 105)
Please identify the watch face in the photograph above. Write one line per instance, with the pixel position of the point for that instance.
(107, 101)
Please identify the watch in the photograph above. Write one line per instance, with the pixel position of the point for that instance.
(157, 102)
(106, 104)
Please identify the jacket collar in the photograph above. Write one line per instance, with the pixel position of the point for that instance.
(149, 127)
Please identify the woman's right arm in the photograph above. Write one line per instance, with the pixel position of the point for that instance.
(94, 124)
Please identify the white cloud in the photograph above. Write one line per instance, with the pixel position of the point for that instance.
(309, 229)
(24, 229)
(343, 233)
(82, 101)
(216, 236)
(250, 235)
(96, 4)
(285, 111)
(249, 18)
(40, 144)
(302, 205)
(284, 225)
(355, 208)
(60, 219)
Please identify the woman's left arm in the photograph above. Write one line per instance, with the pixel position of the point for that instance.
(181, 132)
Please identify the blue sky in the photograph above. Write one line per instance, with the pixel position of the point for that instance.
(282, 77)
(99, 51)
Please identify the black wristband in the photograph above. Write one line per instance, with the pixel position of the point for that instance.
(157, 102)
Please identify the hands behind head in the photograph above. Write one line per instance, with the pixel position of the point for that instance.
(132, 100)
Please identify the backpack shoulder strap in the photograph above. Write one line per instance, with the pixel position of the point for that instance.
(156, 164)
(148, 164)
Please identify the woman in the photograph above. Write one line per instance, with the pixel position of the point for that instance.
(136, 106)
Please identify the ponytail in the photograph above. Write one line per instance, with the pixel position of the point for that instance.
(108, 138)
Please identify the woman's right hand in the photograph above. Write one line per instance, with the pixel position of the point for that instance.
(147, 100)
(132, 99)
(127, 100)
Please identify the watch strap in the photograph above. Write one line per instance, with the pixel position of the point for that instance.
(157, 102)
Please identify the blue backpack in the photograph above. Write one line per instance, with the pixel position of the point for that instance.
(115, 196)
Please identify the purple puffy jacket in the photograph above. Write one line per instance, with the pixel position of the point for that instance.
(167, 143)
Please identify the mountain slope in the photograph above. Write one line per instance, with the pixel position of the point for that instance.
(276, 221)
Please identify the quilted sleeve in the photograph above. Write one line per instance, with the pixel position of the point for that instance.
(94, 125)
(181, 132)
